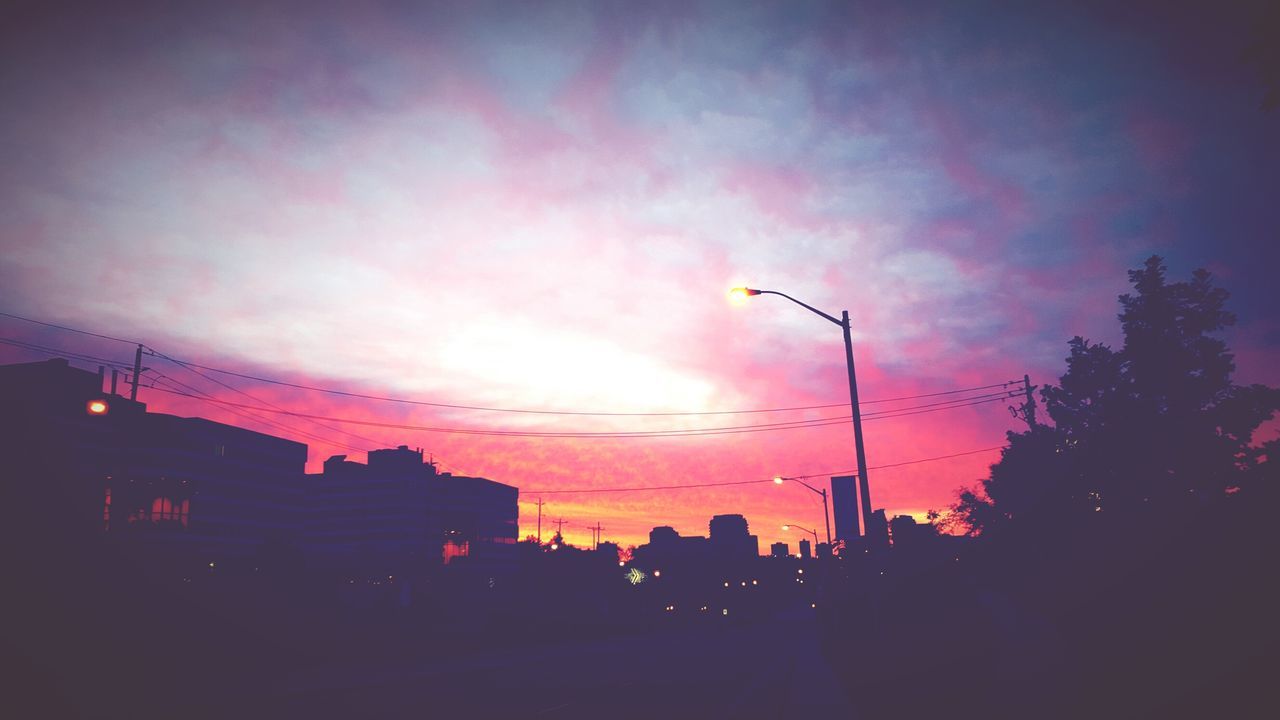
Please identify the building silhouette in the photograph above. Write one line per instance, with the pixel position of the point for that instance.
(187, 488)
(398, 513)
(730, 538)
(806, 550)
(844, 504)
(779, 550)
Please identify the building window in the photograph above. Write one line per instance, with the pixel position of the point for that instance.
(456, 549)
(220, 450)
(168, 510)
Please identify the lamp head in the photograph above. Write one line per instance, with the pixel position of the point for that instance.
(777, 480)
(739, 295)
(786, 527)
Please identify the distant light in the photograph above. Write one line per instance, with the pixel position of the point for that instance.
(554, 546)
(813, 605)
(800, 571)
(726, 584)
(744, 583)
(777, 480)
(724, 611)
(212, 565)
(97, 407)
(657, 573)
(621, 564)
(755, 582)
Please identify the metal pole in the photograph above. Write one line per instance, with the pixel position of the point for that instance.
(826, 517)
(864, 488)
(137, 371)
(1029, 413)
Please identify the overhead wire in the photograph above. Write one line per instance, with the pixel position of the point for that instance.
(453, 406)
(193, 366)
(611, 434)
(691, 486)
(206, 397)
(184, 365)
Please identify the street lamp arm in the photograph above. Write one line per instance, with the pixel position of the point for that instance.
(804, 305)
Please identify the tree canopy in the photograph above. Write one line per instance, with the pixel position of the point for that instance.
(1157, 425)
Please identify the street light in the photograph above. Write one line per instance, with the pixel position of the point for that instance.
(825, 515)
(814, 533)
(864, 489)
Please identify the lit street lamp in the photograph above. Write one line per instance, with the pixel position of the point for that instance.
(825, 515)
(814, 533)
(864, 489)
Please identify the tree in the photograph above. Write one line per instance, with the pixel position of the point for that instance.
(1157, 424)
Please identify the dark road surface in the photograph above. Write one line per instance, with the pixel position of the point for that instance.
(765, 669)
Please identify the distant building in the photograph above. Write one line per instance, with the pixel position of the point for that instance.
(399, 513)
(823, 551)
(666, 547)
(877, 531)
(608, 550)
(805, 549)
(907, 533)
(730, 539)
(844, 503)
(779, 550)
(664, 536)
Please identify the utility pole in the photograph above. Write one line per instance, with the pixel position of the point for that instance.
(559, 525)
(864, 487)
(137, 373)
(1029, 407)
(595, 535)
(540, 504)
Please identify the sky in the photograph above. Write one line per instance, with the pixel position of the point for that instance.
(542, 206)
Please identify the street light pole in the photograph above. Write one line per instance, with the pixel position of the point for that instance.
(864, 488)
(826, 516)
(814, 533)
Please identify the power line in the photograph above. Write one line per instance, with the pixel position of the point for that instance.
(452, 406)
(407, 401)
(607, 434)
(56, 352)
(68, 329)
(897, 464)
(816, 422)
(755, 482)
(245, 414)
(265, 402)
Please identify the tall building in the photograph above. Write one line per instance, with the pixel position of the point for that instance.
(730, 539)
(806, 550)
(844, 502)
(779, 550)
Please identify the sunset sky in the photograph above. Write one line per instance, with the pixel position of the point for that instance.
(541, 206)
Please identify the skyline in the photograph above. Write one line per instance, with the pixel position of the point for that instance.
(544, 207)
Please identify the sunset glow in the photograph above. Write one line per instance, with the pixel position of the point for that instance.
(519, 224)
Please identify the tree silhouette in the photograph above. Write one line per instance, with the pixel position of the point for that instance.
(1154, 427)
(1135, 528)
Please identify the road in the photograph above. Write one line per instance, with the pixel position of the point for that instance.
(770, 669)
